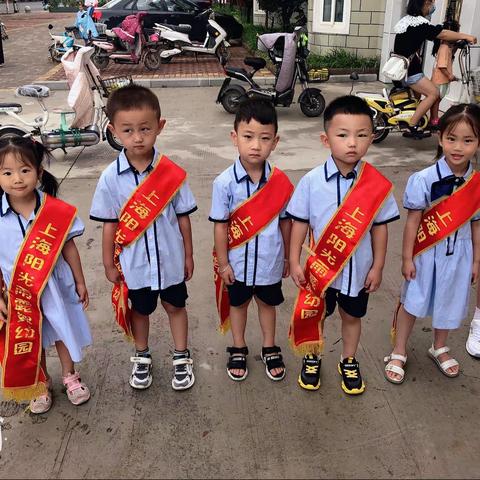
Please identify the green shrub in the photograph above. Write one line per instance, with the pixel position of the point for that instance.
(339, 58)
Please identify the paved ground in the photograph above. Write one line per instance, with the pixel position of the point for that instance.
(425, 428)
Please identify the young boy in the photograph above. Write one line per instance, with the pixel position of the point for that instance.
(350, 234)
(144, 202)
(251, 236)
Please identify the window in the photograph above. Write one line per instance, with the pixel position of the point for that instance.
(331, 16)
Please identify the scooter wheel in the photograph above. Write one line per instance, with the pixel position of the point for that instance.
(152, 60)
(54, 54)
(312, 102)
(232, 98)
(113, 140)
(381, 131)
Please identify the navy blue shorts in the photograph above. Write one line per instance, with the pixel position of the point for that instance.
(354, 306)
(239, 293)
(144, 300)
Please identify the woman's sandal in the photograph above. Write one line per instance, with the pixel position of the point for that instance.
(77, 391)
(272, 358)
(395, 368)
(42, 403)
(443, 366)
(237, 361)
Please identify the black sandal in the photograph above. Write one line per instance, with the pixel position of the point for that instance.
(272, 358)
(237, 361)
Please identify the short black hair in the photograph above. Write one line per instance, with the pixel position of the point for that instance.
(257, 109)
(132, 97)
(349, 105)
(415, 8)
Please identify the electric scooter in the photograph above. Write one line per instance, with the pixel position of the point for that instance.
(61, 43)
(178, 41)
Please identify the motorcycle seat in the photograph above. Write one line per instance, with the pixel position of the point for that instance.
(70, 28)
(231, 71)
(256, 62)
(14, 107)
(183, 28)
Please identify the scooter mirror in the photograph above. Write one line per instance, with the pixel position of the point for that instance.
(50, 26)
(354, 76)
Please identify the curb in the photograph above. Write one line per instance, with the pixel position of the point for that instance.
(204, 81)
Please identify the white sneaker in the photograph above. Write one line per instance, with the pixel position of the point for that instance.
(473, 340)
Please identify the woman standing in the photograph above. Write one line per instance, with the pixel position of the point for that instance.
(411, 32)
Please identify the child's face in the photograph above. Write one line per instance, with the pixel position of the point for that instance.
(137, 130)
(459, 145)
(17, 179)
(254, 141)
(348, 137)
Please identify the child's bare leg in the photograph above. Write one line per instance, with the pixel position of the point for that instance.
(178, 319)
(238, 322)
(434, 111)
(140, 330)
(351, 329)
(43, 363)
(65, 359)
(405, 323)
(267, 318)
(440, 340)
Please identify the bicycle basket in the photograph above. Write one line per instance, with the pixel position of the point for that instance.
(318, 75)
(476, 85)
(110, 84)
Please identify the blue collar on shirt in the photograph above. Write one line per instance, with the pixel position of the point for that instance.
(331, 170)
(241, 174)
(5, 204)
(123, 165)
(443, 170)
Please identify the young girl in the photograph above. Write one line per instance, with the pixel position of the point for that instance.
(25, 188)
(437, 281)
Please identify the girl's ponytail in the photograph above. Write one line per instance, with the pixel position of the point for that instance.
(49, 184)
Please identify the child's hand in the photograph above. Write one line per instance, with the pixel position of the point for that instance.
(227, 274)
(3, 310)
(373, 280)
(475, 270)
(408, 270)
(112, 274)
(296, 272)
(83, 294)
(286, 269)
(188, 267)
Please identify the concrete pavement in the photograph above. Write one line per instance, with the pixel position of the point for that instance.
(425, 428)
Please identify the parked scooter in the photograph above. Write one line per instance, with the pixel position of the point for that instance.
(288, 52)
(61, 43)
(127, 44)
(178, 41)
(393, 109)
(90, 123)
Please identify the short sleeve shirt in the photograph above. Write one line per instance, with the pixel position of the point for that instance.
(411, 41)
(316, 199)
(260, 261)
(157, 258)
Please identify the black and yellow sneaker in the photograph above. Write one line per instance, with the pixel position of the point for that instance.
(309, 377)
(352, 382)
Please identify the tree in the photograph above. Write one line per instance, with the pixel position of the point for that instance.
(284, 8)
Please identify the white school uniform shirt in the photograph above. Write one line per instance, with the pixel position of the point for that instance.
(63, 315)
(441, 288)
(260, 261)
(317, 197)
(157, 258)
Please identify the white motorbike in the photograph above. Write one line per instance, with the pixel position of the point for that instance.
(90, 123)
(178, 42)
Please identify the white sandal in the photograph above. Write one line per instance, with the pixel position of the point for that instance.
(434, 354)
(395, 368)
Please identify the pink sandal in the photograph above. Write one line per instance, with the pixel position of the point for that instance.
(77, 391)
(42, 403)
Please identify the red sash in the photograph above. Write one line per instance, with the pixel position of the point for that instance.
(247, 221)
(21, 339)
(146, 203)
(336, 245)
(443, 219)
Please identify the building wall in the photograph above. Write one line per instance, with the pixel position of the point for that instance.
(365, 32)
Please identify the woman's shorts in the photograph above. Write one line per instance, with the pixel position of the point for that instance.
(413, 79)
(239, 293)
(144, 300)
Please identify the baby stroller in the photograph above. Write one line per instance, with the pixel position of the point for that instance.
(288, 52)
